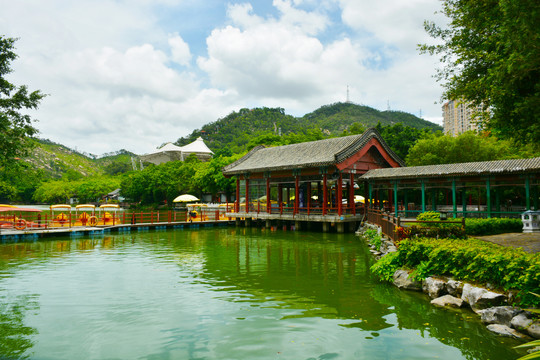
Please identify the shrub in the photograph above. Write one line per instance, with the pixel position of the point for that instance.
(470, 260)
(492, 226)
(373, 237)
(429, 216)
(442, 230)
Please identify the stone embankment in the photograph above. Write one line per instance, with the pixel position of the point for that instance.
(491, 306)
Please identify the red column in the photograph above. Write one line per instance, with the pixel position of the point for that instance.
(339, 194)
(296, 194)
(308, 196)
(325, 194)
(247, 194)
(268, 203)
(351, 194)
(280, 195)
(237, 205)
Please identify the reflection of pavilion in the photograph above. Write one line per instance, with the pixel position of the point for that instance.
(327, 280)
(308, 182)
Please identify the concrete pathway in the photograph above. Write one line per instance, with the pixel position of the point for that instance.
(530, 242)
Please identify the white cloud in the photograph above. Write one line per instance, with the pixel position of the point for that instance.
(180, 50)
(120, 77)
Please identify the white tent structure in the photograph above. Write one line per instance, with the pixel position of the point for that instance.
(171, 152)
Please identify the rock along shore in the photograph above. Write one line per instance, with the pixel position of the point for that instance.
(491, 306)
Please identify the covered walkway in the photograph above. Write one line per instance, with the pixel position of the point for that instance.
(502, 188)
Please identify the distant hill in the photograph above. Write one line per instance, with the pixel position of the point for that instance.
(236, 130)
(57, 160)
(337, 117)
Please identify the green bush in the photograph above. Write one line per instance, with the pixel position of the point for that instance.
(471, 260)
(429, 216)
(451, 231)
(373, 237)
(492, 226)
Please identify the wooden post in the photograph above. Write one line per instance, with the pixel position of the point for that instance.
(247, 194)
(352, 204)
(488, 197)
(237, 205)
(339, 194)
(325, 194)
(268, 203)
(308, 190)
(454, 200)
(395, 199)
(296, 194)
(423, 196)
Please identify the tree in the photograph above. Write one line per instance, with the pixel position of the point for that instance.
(467, 147)
(491, 57)
(16, 128)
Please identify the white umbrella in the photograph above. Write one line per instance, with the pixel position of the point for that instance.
(359, 198)
(185, 198)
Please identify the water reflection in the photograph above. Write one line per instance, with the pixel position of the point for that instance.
(214, 293)
(15, 336)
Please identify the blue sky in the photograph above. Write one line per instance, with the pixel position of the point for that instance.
(136, 74)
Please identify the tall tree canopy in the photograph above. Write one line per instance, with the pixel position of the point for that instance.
(491, 56)
(15, 127)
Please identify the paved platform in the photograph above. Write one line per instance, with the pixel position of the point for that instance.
(530, 242)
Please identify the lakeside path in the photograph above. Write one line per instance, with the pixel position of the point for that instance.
(530, 242)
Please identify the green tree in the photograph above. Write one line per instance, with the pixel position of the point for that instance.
(16, 128)
(490, 56)
(467, 147)
(55, 191)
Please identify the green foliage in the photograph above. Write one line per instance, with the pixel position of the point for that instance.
(470, 260)
(491, 57)
(493, 226)
(401, 138)
(468, 147)
(387, 266)
(439, 231)
(373, 237)
(16, 129)
(429, 216)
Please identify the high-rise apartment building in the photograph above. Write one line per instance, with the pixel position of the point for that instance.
(458, 117)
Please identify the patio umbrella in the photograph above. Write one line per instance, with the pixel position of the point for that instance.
(358, 198)
(185, 198)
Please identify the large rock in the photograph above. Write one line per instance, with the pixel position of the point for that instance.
(434, 287)
(521, 322)
(479, 298)
(454, 287)
(504, 330)
(448, 301)
(402, 281)
(534, 329)
(499, 315)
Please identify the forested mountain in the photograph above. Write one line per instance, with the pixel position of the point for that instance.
(337, 117)
(237, 131)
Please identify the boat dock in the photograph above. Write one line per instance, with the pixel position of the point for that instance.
(75, 231)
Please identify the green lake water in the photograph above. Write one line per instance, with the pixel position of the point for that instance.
(220, 293)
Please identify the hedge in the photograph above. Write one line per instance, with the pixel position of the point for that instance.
(469, 260)
(493, 226)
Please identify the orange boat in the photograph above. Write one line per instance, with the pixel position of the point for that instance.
(9, 219)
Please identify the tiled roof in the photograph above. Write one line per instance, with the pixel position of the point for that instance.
(304, 155)
(460, 169)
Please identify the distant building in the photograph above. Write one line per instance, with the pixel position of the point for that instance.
(171, 152)
(458, 117)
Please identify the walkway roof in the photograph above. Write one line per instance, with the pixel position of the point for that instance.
(512, 166)
(305, 155)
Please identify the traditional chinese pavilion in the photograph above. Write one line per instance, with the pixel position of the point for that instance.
(311, 182)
